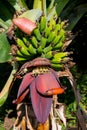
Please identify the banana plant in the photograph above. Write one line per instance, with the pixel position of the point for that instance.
(40, 40)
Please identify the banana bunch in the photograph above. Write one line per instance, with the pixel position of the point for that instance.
(46, 40)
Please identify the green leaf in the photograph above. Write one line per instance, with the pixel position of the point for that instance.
(41, 5)
(37, 4)
(5, 91)
(3, 24)
(51, 5)
(18, 4)
(51, 13)
(4, 48)
(6, 14)
(76, 15)
(33, 14)
(3, 98)
(60, 6)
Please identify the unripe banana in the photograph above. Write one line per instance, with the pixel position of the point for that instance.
(58, 46)
(56, 61)
(22, 46)
(57, 27)
(62, 24)
(24, 51)
(32, 50)
(34, 42)
(51, 24)
(56, 40)
(37, 34)
(18, 53)
(20, 58)
(51, 37)
(62, 32)
(39, 50)
(60, 55)
(43, 42)
(57, 66)
(42, 23)
(21, 43)
(47, 32)
(49, 55)
(25, 40)
(47, 49)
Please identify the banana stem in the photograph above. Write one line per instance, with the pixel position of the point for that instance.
(44, 6)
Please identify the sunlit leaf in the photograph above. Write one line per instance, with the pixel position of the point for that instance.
(4, 48)
(3, 24)
(5, 91)
(37, 4)
(18, 4)
(33, 14)
(3, 98)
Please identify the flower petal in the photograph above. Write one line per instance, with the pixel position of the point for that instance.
(41, 104)
(57, 78)
(25, 25)
(47, 84)
(19, 99)
(28, 78)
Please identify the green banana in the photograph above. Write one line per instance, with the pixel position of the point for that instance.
(34, 42)
(49, 55)
(62, 32)
(31, 49)
(37, 34)
(47, 49)
(60, 55)
(57, 66)
(52, 23)
(26, 40)
(42, 23)
(18, 53)
(62, 24)
(56, 40)
(51, 37)
(24, 51)
(58, 46)
(43, 42)
(39, 50)
(22, 46)
(42, 45)
(56, 61)
(47, 32)
(20, 43)
(57, 27)
(20, 58)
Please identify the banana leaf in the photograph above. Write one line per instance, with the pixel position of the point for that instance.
(32, 14)
(4, 49)
(76, 15)
(18, 4)
(5, 91)
(40, 4)
(60, 6)
(6, 13)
